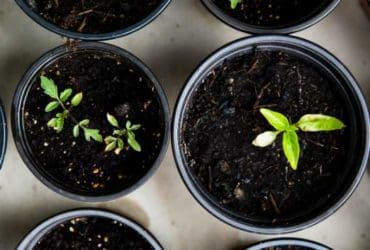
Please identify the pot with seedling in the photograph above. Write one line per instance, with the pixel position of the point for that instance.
(88, 229)
(93, 19)
(91, 121)
(266, 17)
(271, 134)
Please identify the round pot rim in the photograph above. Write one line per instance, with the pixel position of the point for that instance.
(288, 241)
(3, 134)
(43, 227)
(187, 89)
(255, 29)
(20, 139)
(90, 36)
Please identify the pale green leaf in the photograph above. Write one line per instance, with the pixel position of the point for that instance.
(52, 123)
(128, 125)
(51, 106)
(134, 144)
(49, 87)
(84, 122)
(275, 119)
(265, 139)
(92, 134)
(318, 122)
(111, 146)
(76, 100)
(76, 131)
(112, 120)
(109, 139)
(120, 143)
(135, 127)
(65, 95)
(291, 148)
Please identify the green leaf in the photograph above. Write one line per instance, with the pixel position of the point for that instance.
(318, 122)
(112, 120)
(76, 100)
(291, 148)
(128, 125)
(59, 125)
(52, 123)
(92, 134)
(65, 95)
(49, 87)
(51, 106)
(118, 132)
(130, 134)
(111, 146)
(134, 144)
(76, 131)
(277, 120)
(265, 139)
(234, 3)
(120, 143)
(135, 127)
(109, 139)
(84, 122)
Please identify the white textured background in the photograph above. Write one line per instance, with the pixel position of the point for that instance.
(172, 46)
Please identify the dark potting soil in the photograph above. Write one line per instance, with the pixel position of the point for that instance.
(94, 16)
(222, 119)
(110, 84)
(86, 233)
(272, 13)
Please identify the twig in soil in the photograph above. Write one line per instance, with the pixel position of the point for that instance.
(83, 24)
(300, 100)
(273, 202)
(259, 96)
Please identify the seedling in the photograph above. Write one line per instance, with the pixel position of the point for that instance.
(61, 101)
(307, 123)
(234, 3)
(115, 141)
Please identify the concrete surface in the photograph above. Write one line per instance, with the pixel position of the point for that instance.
(172, 46)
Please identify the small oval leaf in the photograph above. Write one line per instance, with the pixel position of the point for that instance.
(134, 144)
(276, 119)
(318, 122)
(49, 87)
(291, 148)
(84, 122)
(111, 146)
(76, 100)
(51, 106)
(76, 131)
(234, 3)
(265, 139)
(112, 120)
(52, 123)
(65, 95)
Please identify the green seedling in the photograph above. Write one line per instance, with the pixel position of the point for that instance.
(116, 140)
(234, 3)
(64, 102)
(307, 123)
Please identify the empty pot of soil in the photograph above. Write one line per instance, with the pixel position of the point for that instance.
(88, 229)
(90, 121)
(271, 134)
(93, 19)
(272, 16)
(288, 244)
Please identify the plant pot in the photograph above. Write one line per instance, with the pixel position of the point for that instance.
(288, 243)
(215, 121)
(3, 134)
(74, 229)
(77, 26)
(112, 81)
(274, 20)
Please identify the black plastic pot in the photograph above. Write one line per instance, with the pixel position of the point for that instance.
(298, 25)
(18, 127)
(285, 242)
(3, 134)
(24, 5)
(31, 239)
(346, 87)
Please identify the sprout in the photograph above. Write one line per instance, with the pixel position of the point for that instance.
(307, 123)
(234, 3)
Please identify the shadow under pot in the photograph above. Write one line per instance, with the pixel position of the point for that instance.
(93, 19)
(88, 229)
(272, 16)
(252, 139)
(91, 122)
(288, 244)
